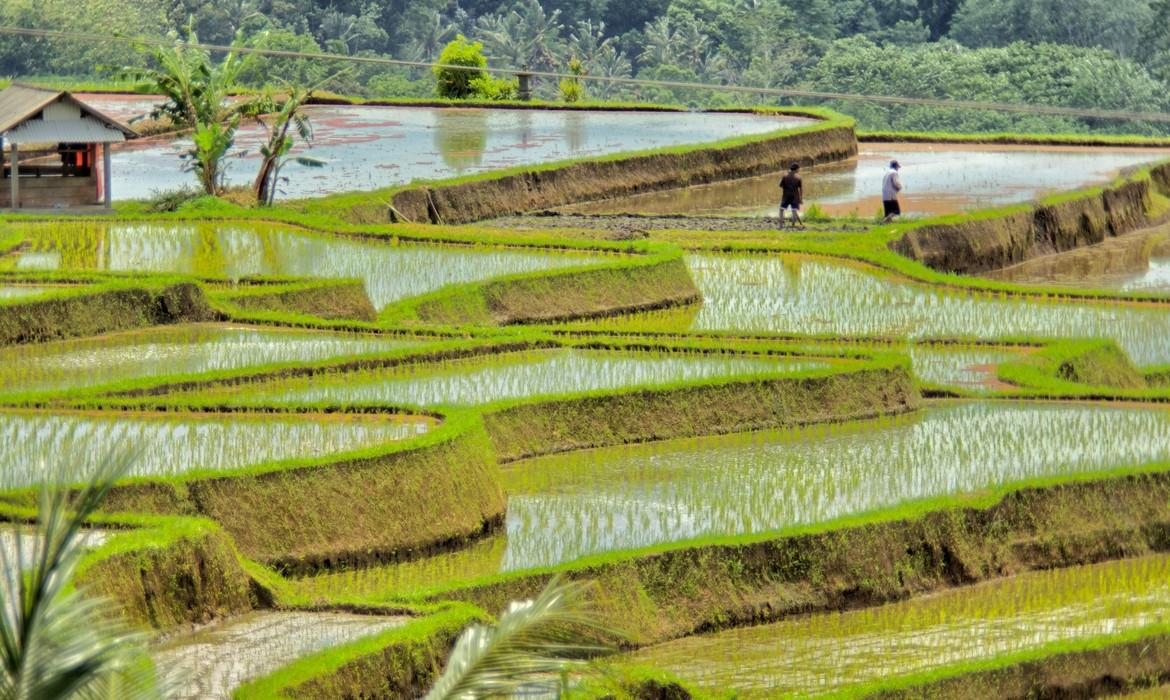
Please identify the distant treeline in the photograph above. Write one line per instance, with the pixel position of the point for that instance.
(1105, 54)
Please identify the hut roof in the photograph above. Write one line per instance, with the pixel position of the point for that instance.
(20, 103)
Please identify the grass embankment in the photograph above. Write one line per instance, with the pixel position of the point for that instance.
(102, 308)
(1014, 139)
(328, 299)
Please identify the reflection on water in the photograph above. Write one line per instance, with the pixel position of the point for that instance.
(461, 137)
(824, 653)
(390, 272)
(1137, 262)
(564, 507)
(18, 545)
(938, 179)
(211, 662)
(169, 444)
(764, 294)
(513, 376)
(171, 350)
(371, 147)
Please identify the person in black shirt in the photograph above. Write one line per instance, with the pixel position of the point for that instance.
(792, 195)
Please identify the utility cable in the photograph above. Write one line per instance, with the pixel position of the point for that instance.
(634, 82)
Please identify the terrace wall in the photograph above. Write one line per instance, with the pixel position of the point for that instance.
(989, 242)
(584, 181)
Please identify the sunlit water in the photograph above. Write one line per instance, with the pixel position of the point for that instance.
(19, 545)
(968, 368)
(937, 179)
(23, 292)
(33, 442)
(390, 272)
(823, 653)
(169, 351)
(210, 663)
(372, 147)
(790, 294)
(514, 376)
(568, 506)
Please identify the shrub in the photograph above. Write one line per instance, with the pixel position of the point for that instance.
(489, 88)
(171, 200)
(456, 82)
(571, 88)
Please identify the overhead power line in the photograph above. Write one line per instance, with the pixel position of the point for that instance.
(635, 82)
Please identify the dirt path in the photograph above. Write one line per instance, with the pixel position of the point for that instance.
(638, 226)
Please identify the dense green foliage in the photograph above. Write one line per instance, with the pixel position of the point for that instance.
(1082, 53)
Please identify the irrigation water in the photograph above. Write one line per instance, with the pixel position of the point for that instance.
(522, 375)
(368, 148)
(169, 351)
(232, 251)
(969, 368)
(171, 444)
(23, 292)
(938, 179)
(211, 662)
(820, 654)
(564, 507)
(799, 294)
(19, 544)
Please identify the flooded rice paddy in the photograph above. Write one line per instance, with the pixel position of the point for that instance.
(821, 654)
(937, 179)
(1137, 262)
(967, 368)
(564, 507)
(23, 292)
(373, 147)
(210, 663)
(18, 545)
(794, 294)
(482, 380)
(169, 351)
(217, 250)
(169, 444)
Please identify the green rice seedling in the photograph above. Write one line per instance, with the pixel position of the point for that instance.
(523, 375)
(793, 294)
(828, 654)
(236, 250)
(211, 662)
(168, 444)
(569, 506)
(194, 349)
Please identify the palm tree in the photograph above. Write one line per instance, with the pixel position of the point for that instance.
(274, 153)
(55, 642)
(610, 63)
(532, 646)
(430, 41)
(661, 42)
(587, 41)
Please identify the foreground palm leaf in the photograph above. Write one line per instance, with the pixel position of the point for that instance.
(54, 643)
(531, 645)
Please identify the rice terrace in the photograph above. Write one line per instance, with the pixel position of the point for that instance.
(329, 372)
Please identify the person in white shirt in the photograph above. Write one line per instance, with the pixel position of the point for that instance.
(891, 186)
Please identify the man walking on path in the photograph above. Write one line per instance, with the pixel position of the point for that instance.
(792, 189)
(891, 186)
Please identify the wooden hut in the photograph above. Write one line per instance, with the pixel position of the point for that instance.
(49, 143)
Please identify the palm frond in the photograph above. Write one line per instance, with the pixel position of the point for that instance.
(531, 645)
(55, 643)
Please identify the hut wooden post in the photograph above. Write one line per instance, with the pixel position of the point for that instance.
(107, 195)
(15, 203)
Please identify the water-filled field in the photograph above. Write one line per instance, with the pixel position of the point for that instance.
(820, 654)
(170, 444)
(483, 380)
(969, 368)
(172, 350)
(18, 545)
(234, 250)
(793, 294)
(372, 147)
(568, 506)
(1136, 262)
(209, 663)
(22, 292)
(937, 179)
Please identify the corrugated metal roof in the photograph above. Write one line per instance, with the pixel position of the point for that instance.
(84, 130)
(18, 103)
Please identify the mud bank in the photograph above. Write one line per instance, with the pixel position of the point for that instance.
(995, 240)
(528, 190)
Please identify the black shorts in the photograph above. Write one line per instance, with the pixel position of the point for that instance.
(891, 207)
(789, 203)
